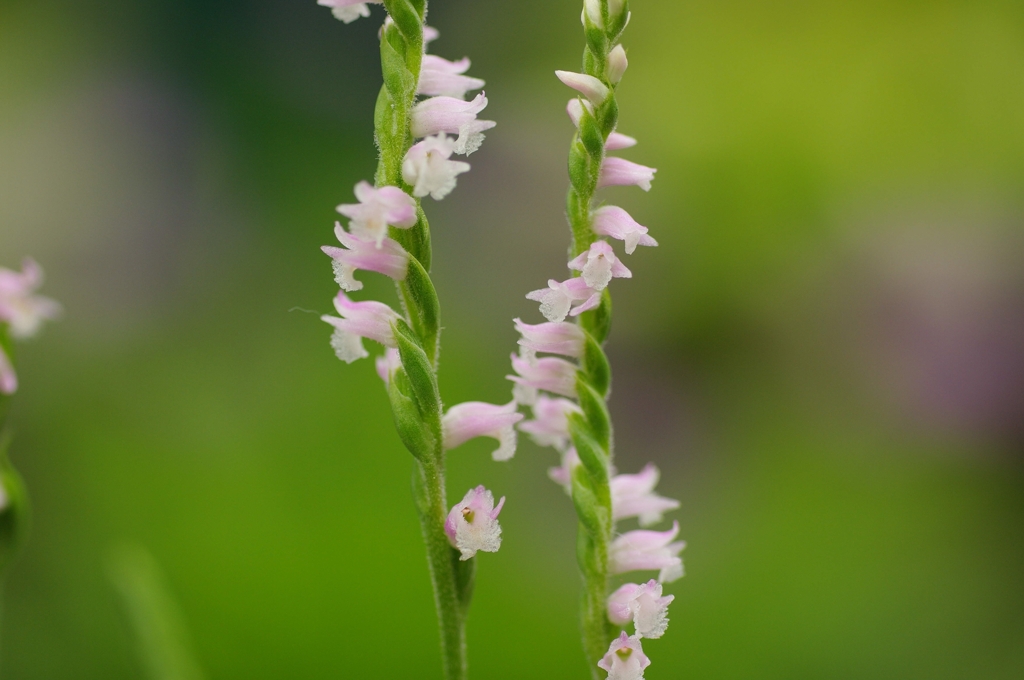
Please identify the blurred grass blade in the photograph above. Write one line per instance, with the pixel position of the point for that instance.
(160, 630)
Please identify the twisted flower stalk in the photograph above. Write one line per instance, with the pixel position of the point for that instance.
(389, 234)
(582, 429)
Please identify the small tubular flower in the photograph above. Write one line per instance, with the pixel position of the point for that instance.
(440, 77)
(454, 116)
(589, 86)
(642, 605)
(378, 208)
(387, 257)
(8, 378)
(641, 549)
(563, 475)
(472, 525)
(620, 172)
(592, 11)
(370, 319)
(617, 64)
(599, 264)
(347, 10)
(427, 168)
(430, 34)
(548, 374)
(19, 306)
(474, 419)
(557, 299)
(615, 141)
(560, 337)
(614, 222)
(387, 363)
(633, 496)
(550, 424)
(625, 659)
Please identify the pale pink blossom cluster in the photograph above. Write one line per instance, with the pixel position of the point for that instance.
(22, 312)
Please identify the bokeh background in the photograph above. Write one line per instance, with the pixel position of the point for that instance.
(825, 355)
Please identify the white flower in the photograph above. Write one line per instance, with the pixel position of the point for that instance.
(625, 659)
(472, 525)
(427, 168)
(642, 605)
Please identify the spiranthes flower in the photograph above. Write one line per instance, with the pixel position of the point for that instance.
(642, 549)
(454, 116)
(427, 168)
(642, 605)
(614, 222)
(598, 265)
(387, 363)
(440, 77)
(589, 86)
(347, 10)
(387, 257)
(562, 475)
(377, 209)
(548, 374)
(472, 525)
(472, 419)
(633, 496)
(369, 319)
(617, 64)
(557, 299)
(615, 141)
(8, 378)
(559, 337)
(19, 306)
(620, 172)
(625, 659)
(550, 424)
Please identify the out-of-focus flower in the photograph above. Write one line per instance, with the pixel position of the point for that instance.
(620, 172)
(643, 605)
(614, 222)
(563, 475)
(427, 168)
(633, 496)
(347, 10)
(440, 77)
(598, 265)
(550, 424)
(454, 116)
(641, 550)
(378, 208)
(387, 363)
(8, 378)
(369, 319)
(19, 306)
(556, 300)
(559, 337)
(589, 86)
(471, 419)
(549, 374)
(387, 257)
(472, 525)
(625, 659)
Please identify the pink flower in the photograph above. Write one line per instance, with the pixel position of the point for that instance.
(440, 77)
(615, 140)
(347, 10)
(454, 116)
(559, 337)
(641, 549)
(378, 208)
(8, 378)
(616, 223)
(643, 605)
(387, 363)
(599, 265)
(427, 168)
(387, 257)
(633, 496)
(563, 475)
(620, 172)
(472, 525)
(550, 424)
(473, 419)
(625, 659)
(617, 64)
(589, 86)
(370, 319)
(556, 300)
(549, 374)
(19, 307)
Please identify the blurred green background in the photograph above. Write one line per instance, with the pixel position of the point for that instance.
(825, 355)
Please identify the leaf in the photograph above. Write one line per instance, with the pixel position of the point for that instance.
(418, 438)
(421, 378)
(593, 517)
(596, 413)
(595, 364)
(424, 308)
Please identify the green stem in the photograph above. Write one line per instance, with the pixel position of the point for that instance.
(444, 569)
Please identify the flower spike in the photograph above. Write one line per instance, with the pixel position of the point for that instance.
(473, 419)
(472, 525)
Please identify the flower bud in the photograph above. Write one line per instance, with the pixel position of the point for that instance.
(617, 64)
